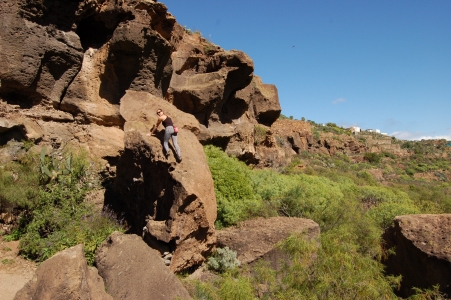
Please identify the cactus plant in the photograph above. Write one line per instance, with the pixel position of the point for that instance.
(55, 167)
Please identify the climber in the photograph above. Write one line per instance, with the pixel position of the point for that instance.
(168, 132)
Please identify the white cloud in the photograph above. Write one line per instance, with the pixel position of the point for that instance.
(417, 136)
(339, 100)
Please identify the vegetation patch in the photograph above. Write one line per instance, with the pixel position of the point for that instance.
(222, 260)
(351, 207)
(53, 212)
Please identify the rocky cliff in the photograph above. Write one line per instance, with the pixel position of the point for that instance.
(92, 74)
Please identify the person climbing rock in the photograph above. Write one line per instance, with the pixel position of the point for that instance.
(168, 133)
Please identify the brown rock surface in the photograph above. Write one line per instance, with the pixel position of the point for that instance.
(203, 85)
(133, 271)
(423, 251)
(175, 201)
(135, 56)
(263, 101)
(65, 275)
(139, 110)
(218, 87)
(38, 60)
(257, 238)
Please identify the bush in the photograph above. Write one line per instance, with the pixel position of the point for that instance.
(259, 134)
(201, 290)
(54, 214)
(24, 174)
(223, 260)
(386, 204)
(333, 269)
(384, 213)
(236, 287)
(233, 187)
(373, 158)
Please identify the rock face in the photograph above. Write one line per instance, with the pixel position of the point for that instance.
(256, 239)
(40, 53)
(82, 56)
(219, 88)
(422, 244)
(175, 201)
(133, 271)
(65, 275)
(130, 51)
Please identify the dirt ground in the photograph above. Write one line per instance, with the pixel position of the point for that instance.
(15, 271)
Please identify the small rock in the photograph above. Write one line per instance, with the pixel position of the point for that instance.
(167, 262)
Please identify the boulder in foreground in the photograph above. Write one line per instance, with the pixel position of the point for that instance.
(65, 275)
(134, 271)
(256, 239)
(422, 244)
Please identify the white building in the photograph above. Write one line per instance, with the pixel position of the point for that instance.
(355, 129)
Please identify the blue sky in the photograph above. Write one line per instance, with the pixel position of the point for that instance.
(374, 64)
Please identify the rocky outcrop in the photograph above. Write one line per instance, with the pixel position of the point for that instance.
(133, 271)
(219, 88)
(65, 275)
(82, 57)
(174, 201)
(422, 245)
(379, 143)
(262, 99)
(256, 239)
(203, 85)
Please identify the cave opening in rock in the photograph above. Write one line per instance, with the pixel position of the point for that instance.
(93, 33)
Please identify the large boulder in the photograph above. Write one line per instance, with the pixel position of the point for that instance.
(263, 101)
(174, 201)
(65, 275)
(257, 238)
(133, 271)
(422, 245)
(207, 92)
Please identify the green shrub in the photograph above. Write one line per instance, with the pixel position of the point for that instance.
(386, 204)
(201, 290)
(388, 154)
(384, 213)
(373, 158)
(378, 194)
(316, 198)
(54, 214)
(333, 269)
(235, 196)
(24, 174)
(428, 294)
(236, 287)
(259, 134)
(222, 260)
